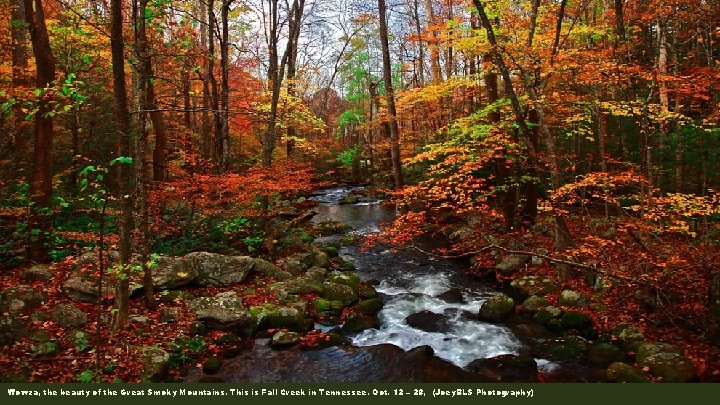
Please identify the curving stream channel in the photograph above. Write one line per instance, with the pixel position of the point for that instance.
(409, 283)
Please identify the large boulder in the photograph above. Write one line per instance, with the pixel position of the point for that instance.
(316, 274)
(224, 311)
(22, 298)
(347, 278)
(339, 292)
(534, 304)
(82, 285)
(38, 272)
(300, 285)
(512, 264)
(496, 308)
(506, 368)
(428, 321)
(219, 270)
(272, 317)
(69, 316)
(357, 322)
(453, 296)
(173, 272)
(526, 286)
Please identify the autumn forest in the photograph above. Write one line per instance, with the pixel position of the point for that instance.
(459, 191)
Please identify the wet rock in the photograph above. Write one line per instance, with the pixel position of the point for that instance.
(173, 272)
(156, 363)
(284, 339)
(570, 298)
(265, 267)
(368, 307)
(339, 292)
(428, 321)
(625, 373)
(300, 285)
(347, 278)
(20, 299)
(69, 316)
(38, 272)
(170, 314)
(506, 368)
(350, 199)
(331, 339)
(534, 304)
(356, 323)
(603, 354)
(512, 264)
(219, 270)
(212, 365)
(11, 330)
(366, 291)
(526, 286)
(224, 311)
(496, 308)
(453, 296)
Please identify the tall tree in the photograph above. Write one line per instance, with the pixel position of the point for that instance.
(124, 128)
(42, 173)
(390, 98)
(20, 79)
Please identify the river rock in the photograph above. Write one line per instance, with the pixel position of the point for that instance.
(20, 299)
(69, 316)
(507, 368)
(156, 363)
(38, 272)
(300, 285)
(284, 339)
(547, 314)
(428, 321)
(368, 307)
(512, 264)
(570, 298)
(224, 311)
(453, 296)
(289, 318)
(347, 278)
(219, 270)
(496, 308)
(525, 286)
(356, 323)
(625, 373)
(340, 292)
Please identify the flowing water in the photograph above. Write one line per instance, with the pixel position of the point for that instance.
(409, 283)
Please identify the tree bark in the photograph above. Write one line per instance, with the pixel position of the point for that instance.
(434, 51)
(20, 80)
(42, 173)
(390, 97)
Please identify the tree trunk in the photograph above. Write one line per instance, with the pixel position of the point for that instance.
(390, 97)
(206, 130)
(20, 80)
(122, 115)
(434, 51)
(223, 139)
(42, 173)
(210, 73)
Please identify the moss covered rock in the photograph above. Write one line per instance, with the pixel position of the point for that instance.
(284, 339)
(496, 308)
(565, 348)
(368, 307)
(625, 373)
(603, 354)
(526, 286)
(339, 292)
(348, 278)
(534, 303)
(570, 298)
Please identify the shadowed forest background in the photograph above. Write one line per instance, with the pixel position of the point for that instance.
(565, 152)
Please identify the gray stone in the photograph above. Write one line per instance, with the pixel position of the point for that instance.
(316, 274)
(265, 267)
(428, 321)
(646, 350)
(534, 303)
(20, 299)
(284, 338)
(173, 272)
(548, 313)
(316, 258)
(224, 311)
(570, 298)
(671, 367)
(38, 272)
(156, 363)
(526, 286)
(219, 270)
(69, 316)
(348, 278)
